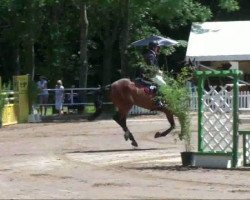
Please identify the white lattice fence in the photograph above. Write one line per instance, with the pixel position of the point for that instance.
(244, 100)
(136, 110)
(218, 130)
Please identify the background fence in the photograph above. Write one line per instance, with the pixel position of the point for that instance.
(244, 101)
(78, 98)
(72, 100)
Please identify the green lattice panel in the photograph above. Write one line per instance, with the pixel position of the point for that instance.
(218, 120)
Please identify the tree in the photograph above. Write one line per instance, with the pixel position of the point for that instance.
(83, 44)
(53, 35)
(124, 36)
(170, 16)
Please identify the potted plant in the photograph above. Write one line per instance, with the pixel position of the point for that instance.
(175, 95)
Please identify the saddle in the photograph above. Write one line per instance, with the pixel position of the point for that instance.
(150, 90)
(149, 87)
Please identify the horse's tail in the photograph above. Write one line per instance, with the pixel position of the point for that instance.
(98, 102)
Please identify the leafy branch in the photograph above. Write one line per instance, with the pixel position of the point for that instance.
(175, 95)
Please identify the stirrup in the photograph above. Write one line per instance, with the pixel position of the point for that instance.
(159, 104)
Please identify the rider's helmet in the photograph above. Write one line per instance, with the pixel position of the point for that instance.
(153, 44)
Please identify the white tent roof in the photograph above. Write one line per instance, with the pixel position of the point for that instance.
(219, 41)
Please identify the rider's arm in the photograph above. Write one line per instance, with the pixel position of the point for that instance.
(150, 59)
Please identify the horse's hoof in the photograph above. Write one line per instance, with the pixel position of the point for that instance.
(134, 143)
(126, 136)
(157, 135)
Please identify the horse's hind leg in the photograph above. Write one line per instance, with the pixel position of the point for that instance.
(122, 121)
(170, 118)
(117, 118)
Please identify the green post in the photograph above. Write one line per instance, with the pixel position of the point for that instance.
(200, 109)
(202, 75)
(235, 117)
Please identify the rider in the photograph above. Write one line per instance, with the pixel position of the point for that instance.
(151, 59)
(151, 56)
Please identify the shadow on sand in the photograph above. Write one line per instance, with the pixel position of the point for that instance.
(165, 168)
(118, 150)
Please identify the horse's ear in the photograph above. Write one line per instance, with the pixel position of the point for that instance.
(193, 62)
(189, 62)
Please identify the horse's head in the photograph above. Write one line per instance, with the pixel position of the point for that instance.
(191, 64)
(189, 67)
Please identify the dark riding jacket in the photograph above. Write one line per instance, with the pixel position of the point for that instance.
(151, 58)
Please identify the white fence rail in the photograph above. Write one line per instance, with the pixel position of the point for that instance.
(244, 101)
(10, 96)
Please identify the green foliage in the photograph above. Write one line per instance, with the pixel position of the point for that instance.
(89, 109)
(2, 103)
(149, 71)
(180, 12)
(54, 27)
(176, 97)
(229, 5)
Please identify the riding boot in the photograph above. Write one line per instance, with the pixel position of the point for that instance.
(159, 104)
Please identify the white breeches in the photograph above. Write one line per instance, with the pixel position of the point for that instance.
(158, 79)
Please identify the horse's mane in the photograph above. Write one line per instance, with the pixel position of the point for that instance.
(122, 80)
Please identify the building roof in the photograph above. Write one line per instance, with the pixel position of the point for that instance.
(219, 41)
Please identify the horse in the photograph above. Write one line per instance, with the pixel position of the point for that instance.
(125, 93)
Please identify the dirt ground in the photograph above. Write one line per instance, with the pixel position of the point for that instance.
(91, 160)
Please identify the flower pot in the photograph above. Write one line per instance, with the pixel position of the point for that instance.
(186, 158)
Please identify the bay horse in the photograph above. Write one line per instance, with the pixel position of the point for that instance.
(124, 94)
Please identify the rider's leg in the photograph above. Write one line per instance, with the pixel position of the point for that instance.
(159, 103)
(158, 79)
(143, 82)
(150, 85)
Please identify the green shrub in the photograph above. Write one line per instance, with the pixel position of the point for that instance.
(175, 95)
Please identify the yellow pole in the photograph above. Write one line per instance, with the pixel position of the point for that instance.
(21, 87)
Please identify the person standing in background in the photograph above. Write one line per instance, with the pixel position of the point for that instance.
(59, 97)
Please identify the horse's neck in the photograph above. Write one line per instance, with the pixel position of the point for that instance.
(124, 80)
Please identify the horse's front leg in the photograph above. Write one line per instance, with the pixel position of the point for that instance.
(122, 121)
(170, 118)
